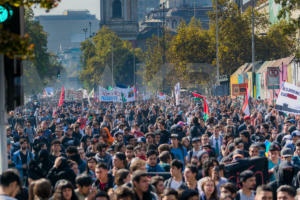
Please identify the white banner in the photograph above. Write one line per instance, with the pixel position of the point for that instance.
(177, 93)
(116, 95)
(289, 99)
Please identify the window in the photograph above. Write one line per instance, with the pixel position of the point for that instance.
(117, 9)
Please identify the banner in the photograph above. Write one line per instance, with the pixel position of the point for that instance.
(116, 94)
(273, 78)
(177, 93)
(288, 99)
(259, 166)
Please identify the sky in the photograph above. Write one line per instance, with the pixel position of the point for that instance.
(92, 5)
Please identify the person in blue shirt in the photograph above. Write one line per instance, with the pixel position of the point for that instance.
(151, 163)
(296, 157)
(274, 159)
(178, 151)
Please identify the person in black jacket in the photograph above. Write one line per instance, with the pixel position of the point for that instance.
(61, 170)
(105, 180)
(195, 128)
(164, 134)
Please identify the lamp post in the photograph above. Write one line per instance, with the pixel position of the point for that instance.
(253, 50)
(85, 31)
(217, 44)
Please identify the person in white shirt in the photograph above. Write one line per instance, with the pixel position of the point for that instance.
(176, 181)
(248, 181)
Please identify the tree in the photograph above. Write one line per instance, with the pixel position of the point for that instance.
(44, 66)
(97, 56)
(14, 45)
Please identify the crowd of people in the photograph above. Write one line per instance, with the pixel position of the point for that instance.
(151, 150)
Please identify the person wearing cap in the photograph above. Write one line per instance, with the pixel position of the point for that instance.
(178, 150)
(237, 155)
(247, 122)
(295, 137)
(196, 143)
(286, 154)
(274, 159)
(248, 184)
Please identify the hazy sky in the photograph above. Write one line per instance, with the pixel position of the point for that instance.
(91, 5)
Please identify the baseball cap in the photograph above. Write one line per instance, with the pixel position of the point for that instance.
(296, 133)
(286, 152)
(195, 139)
(292, 121)
(141, 140)
(247, 117)
(174, 135)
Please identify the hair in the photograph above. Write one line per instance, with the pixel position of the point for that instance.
(164, 156)
(246, 175)
(151, 153)
(102, 194)
(72, 149)
(288, 189)
(177, 163)
(124, 192)
(60, 185)
(129, 147)
(170, 191)
(237, 141)
(121, 156)
(102, 165)
(42, 188)
(163, 147)
(230, 187)
(156, 179)
(263, 188)
(84, 180)
(245, 133)
(120, 176)
(100, 147)
(8, 177)
(205, 180)
(137, 175)
(137, 164)
(266, 126)
(193, 169)
(207, 165)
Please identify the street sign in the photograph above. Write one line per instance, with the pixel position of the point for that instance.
(273, 78)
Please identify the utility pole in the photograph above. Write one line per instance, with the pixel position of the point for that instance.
(217, 43)
(253, 50)
(163, 33)
(3, 121)
(134, 66)
(194, 8)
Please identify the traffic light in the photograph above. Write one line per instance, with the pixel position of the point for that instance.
(12, 20)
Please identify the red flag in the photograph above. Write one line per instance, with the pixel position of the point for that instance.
(61, 99)
(206, 110)
(197, 95)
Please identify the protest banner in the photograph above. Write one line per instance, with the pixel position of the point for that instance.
(259, 166)
(116, 94)
(177, 93)
(289, 99)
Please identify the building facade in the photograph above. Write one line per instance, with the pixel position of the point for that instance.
(120, 16)
(68, 30)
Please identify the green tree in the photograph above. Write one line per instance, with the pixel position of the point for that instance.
(44, 66)
(97, 55)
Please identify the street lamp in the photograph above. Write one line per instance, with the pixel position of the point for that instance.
(217, 44)
(253, 51)
(85, 31)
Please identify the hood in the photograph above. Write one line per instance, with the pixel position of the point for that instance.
(285, 173)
